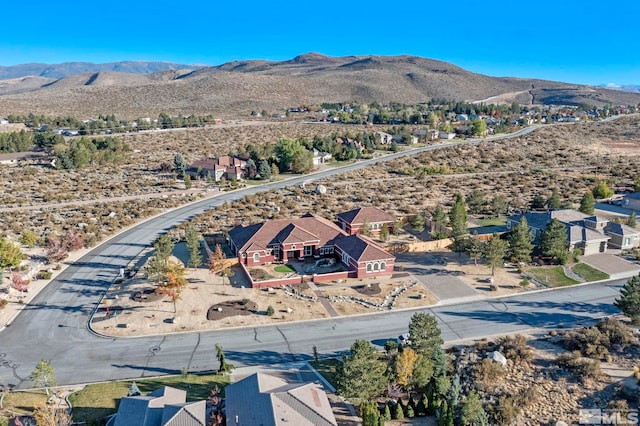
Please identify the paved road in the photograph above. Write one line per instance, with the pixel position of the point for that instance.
(54, 326)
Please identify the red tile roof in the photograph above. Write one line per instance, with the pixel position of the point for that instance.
(372, 214)
(362, 249)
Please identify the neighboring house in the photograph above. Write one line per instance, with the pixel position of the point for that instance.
(446, 135)
(320, 157)
(352, 221)
(622, 236)
(462, 117)
(225, 167)
(401, 139)
(166, 406)
(348, 142)
(631, 201)
(385, 138)
(308, 237)
(264, 400)
(4, 120)
(584, 232)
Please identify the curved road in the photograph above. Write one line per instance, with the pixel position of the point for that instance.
(54, 325)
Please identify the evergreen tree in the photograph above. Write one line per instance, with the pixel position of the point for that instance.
(494, 251)
(443, 419)
(458, 221)
(455, 390)
(264, 170)
(43, 376)
(587, 203)
(553, 241)
(418, 223)
(362, 375)
(439, 216)
(164, 249)
(554, 201)
(629, 300)
(193, 245)
(386, 414)
(422, 372)
(179, 165)
(424, 333)
(475, 248)
(458, 217)
(472, 412)
(521, 242)
(538, 202)
(370, 413)
(399, 412)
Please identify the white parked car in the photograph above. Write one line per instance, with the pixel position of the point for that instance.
(403, 339)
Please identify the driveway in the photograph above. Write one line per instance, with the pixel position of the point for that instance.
(615, 266)
(429, 270)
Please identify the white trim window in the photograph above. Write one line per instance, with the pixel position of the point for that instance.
(345, 258)
(383, 266)
(308, 250)
(256, 257)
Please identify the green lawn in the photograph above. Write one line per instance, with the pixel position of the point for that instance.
(552, 276)
(328, 368)
(24, 401)
(589, 273)
(285, 269)
(492, 221)
(97, 401)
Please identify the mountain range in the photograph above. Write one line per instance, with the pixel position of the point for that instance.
(134, 89)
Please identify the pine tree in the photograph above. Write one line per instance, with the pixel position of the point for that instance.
(629, 300)
(424, 333)
(362, 375)
(473, 413)
(521, 242)
(587, 203)
(553, 241)
(554, 201)
(193, 245)
(458, 217)
(418, 223)
(387, 412)
(384, 233)
(439, 216)
(179, 165)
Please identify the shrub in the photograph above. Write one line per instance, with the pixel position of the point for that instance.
(488, 371)
(580, 367)
(270, 310)
(3, 303)
(515, 348)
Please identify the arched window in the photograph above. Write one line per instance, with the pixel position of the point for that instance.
(369, 266)
(256, 257)
(376, 266)
(383, 266)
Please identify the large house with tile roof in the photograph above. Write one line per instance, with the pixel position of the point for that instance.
(307, 238)
(591, 234)
(265, 400)
(352, 221)
(225, 167)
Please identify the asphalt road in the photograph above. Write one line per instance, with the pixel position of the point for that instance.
(54, 325)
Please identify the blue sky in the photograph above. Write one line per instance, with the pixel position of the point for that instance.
(581, 42)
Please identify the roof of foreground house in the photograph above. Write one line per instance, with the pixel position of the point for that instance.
(264, 400)
(307, 228)
(362, 249)
(165, 406)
